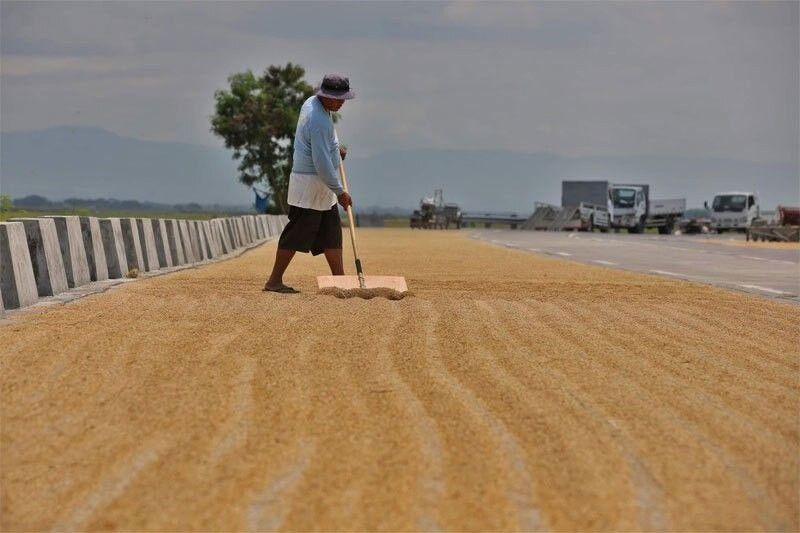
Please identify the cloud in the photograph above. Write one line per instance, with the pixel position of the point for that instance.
(579, 79)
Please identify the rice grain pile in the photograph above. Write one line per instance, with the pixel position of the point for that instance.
(513, 391)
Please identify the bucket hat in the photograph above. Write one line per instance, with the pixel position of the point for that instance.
(335, 86)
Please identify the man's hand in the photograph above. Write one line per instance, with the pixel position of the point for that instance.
(343, 151)
(345, 200)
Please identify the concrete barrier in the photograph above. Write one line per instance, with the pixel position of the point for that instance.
(161, 238)
(259, 224)
(95, 250)
(274, 226)
(114, 246)
(254, 228)
(212, 246)
(133, 247)
(45, 255)
(202, 245)
(243, 237)
(234, 234)
(251, 226)
(194, 240)
(186, 239)
(208, 244)
(70, 242)
(17, 282)
(147, 238)
(175, 242)
(262, 232)
(222, 235)
(264, 225)
(227, 225)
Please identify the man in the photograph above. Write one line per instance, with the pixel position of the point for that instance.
(314, 185)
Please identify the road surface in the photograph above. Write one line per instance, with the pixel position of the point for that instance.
(721, 261)
(512, 391)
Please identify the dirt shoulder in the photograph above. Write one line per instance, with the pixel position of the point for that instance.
(511, 391)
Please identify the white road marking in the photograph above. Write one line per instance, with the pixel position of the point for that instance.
(754, 258)
(603, 262)
(565, 254)
(760, 288)
(667, 273)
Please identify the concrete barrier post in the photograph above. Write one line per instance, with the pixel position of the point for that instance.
(133, 247)
(222, 235)
(263, 219)
(251, 227)
(116, 258)
(45, 254)
(202, 245)
(245, 238)
(274, 229)
(186, 239)
(161, 238)
(95, 250)
(212, 247)
(175, 242)
(251, 222)
(261, 233)
(148, 241)
(70, 241)
(208, 243)
(194, 241)
(232, 235)
(17, 283)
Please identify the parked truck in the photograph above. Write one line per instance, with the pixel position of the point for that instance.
(734, 211)
(604, 205)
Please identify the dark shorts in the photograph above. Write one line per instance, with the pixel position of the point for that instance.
(312, 231)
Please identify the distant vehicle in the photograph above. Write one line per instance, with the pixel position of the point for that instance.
(734, 211)
(433, 213)
(785, 229)
(607, 205)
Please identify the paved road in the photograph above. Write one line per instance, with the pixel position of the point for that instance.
(768, 272)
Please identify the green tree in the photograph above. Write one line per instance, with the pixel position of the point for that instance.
(5, 205)
(257, 117)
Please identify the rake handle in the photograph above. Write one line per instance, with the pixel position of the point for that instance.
(351, 224)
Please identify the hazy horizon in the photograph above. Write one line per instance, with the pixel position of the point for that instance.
(601, 87)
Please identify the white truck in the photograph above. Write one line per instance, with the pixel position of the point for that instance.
(621, 206)
(734, 211)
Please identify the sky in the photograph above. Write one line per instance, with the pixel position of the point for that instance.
(668, 79)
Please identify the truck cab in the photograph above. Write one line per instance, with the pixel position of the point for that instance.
(627, 207)
(735, 210)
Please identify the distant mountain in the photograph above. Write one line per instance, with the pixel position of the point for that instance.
(93, 163)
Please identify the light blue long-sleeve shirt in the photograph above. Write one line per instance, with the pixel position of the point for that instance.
(316, 149)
